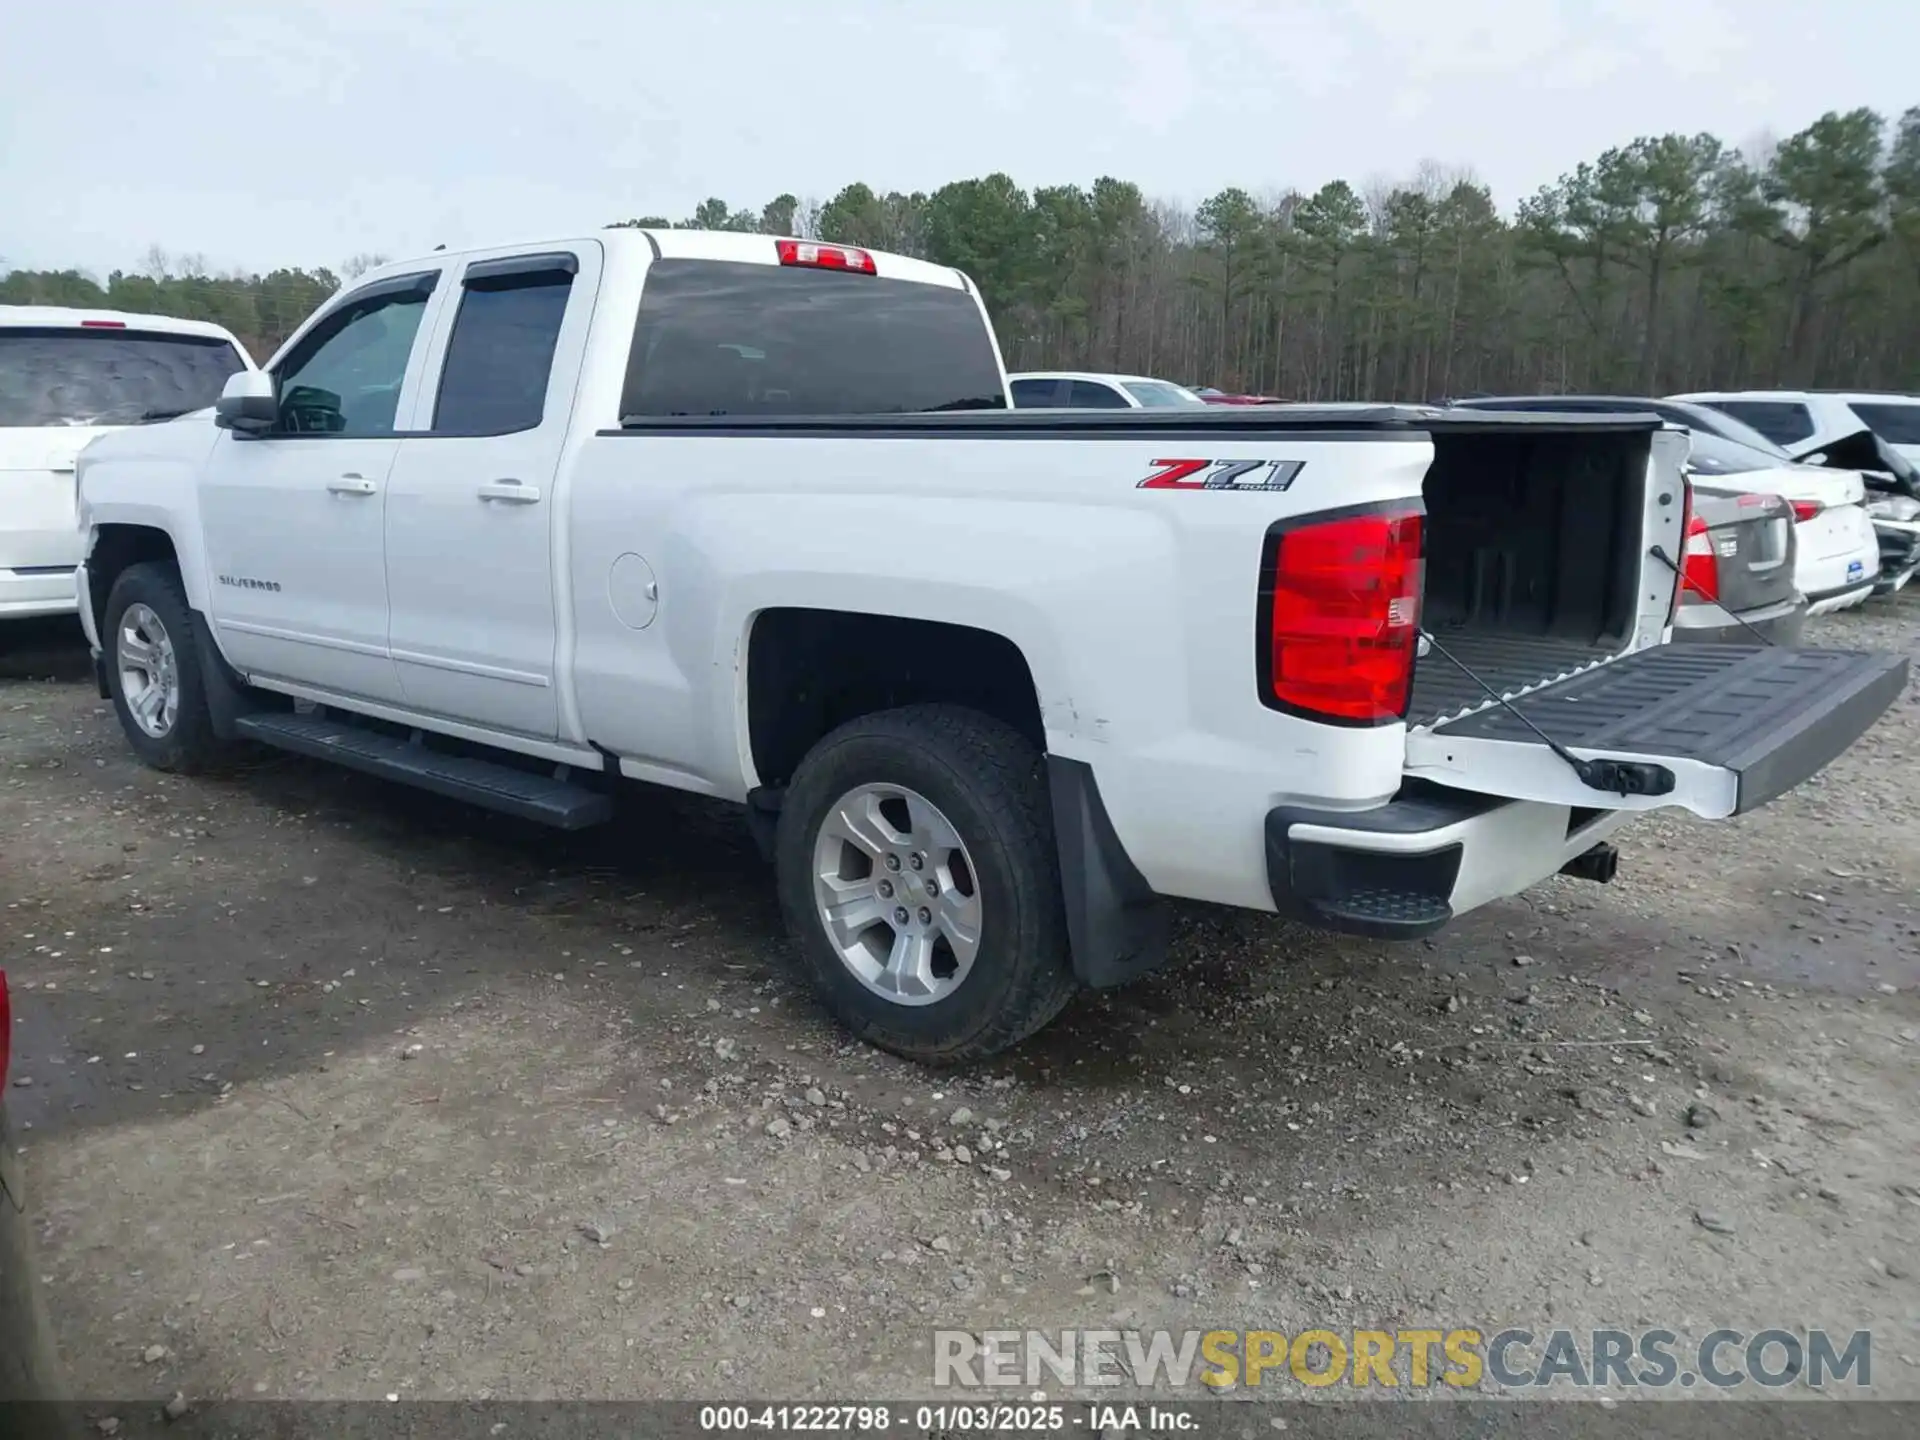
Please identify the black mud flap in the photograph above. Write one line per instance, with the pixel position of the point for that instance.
(1715, 729)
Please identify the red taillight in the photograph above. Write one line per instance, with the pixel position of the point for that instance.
(1806, 509)
(103, 324)
(1344, 618)
(1701, 568)
(6, 1030)
(825, 257)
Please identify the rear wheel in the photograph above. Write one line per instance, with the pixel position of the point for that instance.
(151, 645)
(919, 880)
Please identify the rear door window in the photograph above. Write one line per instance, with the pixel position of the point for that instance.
(1892, 421)
(58, 375)
(1092, 395)
(500, 355)
(1781, 421)
(733, 338)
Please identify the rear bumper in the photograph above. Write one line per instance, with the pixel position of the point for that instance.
(26, 593)
(1899, 553)
(1406, 868)
(1396, 871)
(1781, 624)
(1825, 602)
(1839, 559)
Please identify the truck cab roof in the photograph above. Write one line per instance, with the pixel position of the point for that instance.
(739, 247)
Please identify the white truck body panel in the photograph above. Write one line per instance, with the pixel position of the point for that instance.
(751, 524)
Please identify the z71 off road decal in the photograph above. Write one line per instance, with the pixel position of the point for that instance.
(1222, 474)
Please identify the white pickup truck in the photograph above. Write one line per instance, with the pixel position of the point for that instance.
(751, 518)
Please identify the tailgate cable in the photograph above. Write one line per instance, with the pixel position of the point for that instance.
(1667, 560)
(1621, 777)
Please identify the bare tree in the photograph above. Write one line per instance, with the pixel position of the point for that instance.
(360, 264)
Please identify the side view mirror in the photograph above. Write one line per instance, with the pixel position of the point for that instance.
(247, 403)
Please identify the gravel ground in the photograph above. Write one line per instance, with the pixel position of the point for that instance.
(339, 1091)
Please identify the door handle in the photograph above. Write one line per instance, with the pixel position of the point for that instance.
(352, 485)
(512, 492)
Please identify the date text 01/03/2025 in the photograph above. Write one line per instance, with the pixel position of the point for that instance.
(874, 1419)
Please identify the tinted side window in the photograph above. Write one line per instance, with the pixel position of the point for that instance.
(344, 379)
(1781, 421)
(1090, 395)
(494, 379)
(1035, 394)
(61, 376)
(730, 338)
(1893, 422)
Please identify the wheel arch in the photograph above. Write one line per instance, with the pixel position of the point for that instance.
(125, 546)
(810, 671)
(116, 546)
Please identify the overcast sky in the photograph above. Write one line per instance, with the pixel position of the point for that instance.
(279, 132)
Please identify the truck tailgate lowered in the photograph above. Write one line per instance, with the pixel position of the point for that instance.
(1723, 728)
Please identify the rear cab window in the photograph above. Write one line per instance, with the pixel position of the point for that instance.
(1035, 394)
(1894, 421)
(1092, 395)
(722, 337)
(103, 375)
(1159, 395)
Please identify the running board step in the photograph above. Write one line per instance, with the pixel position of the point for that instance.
(540, 798)
(1383, 913)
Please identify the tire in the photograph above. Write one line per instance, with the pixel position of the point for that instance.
(184, 742)
(986, 784)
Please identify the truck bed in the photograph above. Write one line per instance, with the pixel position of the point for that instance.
(1534, 528)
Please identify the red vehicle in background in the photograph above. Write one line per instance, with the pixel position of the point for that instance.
(1220, 397)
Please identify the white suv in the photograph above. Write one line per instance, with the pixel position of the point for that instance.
(1801, 420)
(67, 377)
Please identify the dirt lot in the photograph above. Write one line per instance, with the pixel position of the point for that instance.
(332, 1085)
